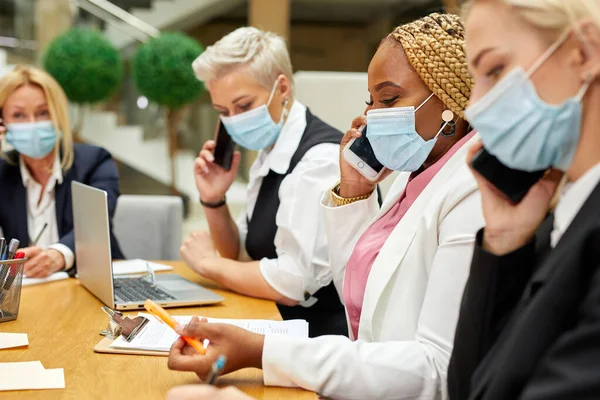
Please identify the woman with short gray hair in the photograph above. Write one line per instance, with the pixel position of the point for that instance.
(277, 249)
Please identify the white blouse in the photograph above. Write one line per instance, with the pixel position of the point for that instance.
(41, 210)
(302, 263)
(572, 199)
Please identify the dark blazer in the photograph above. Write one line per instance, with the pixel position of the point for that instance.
(529, 325)
(92, 166)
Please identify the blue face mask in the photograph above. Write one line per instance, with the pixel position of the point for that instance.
(32, 139)
(255, 129)
(394, 138)
(522, 130)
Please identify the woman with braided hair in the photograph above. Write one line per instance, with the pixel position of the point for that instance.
(400, 269)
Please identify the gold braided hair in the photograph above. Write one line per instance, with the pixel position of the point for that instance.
(434, 46)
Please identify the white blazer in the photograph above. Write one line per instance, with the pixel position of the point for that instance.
(411, 301)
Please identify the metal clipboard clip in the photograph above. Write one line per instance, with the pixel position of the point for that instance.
(119, 325)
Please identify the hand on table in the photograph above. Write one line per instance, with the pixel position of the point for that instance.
(41, 263)
(205, 392)
(509, 226)
(242, 348)
(352, 182)
(197, 251)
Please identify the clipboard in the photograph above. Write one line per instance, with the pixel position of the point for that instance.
(104, 347)
(121, 326)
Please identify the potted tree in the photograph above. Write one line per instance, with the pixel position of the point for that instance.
(162, 70)
(86, 65)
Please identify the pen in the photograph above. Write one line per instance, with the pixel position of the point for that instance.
(37, 238)
(163, 316)
(5, 287)
(3, 269)
(12, 248)
(14, 245)
(216, 370)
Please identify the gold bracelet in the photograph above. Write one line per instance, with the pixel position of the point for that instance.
(342, 201)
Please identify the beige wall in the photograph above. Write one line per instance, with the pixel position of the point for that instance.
(272, 15)
(52, 17)
(452, 6)
(329, 48)
(312, 47)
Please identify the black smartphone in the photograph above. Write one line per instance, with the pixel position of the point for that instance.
(513, 183)
(224, 147)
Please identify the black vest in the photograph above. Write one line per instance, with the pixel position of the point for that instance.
(327, 315)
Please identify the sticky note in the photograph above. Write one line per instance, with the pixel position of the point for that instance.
(11, 340)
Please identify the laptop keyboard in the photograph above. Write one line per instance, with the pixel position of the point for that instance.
(138, 290)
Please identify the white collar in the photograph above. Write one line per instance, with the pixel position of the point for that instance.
(279, 157)
(574, 195)
(27, 178)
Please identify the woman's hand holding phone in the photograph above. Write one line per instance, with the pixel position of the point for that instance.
(509, 226)
(352, 182)
(212, 181)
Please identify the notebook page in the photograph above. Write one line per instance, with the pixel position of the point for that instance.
(157, 336)
(294, 328)
(137, 266)
(57, 276)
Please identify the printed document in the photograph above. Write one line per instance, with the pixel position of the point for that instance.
(157, 336)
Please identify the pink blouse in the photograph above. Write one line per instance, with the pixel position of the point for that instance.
(372, 240)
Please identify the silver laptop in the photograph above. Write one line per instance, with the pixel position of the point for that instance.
(94, 263)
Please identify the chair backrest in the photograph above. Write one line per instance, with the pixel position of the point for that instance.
(149, 227)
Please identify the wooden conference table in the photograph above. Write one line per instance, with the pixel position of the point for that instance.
(63, 321)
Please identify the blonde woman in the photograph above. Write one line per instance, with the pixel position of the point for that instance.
(36, 174)
(529, 325)
(277, 248)
(401, 269)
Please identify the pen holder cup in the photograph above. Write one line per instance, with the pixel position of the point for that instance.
(11, 277)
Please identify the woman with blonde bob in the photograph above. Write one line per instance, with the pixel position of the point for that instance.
(277, 248)
(529, 326)
(38, 163)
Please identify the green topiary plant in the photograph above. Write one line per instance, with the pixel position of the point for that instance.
(85, 64)
(162, 70)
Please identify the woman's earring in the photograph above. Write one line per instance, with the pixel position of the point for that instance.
(285, 108)
(448, 121)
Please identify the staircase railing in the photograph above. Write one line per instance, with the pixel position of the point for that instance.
(143, 31)
(15, 43)
(119, 18)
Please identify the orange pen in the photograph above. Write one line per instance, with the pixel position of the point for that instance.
(163, 316)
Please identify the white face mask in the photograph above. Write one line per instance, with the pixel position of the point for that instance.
(394, 138)
(523, 131)
(255, 129)
(33, 139)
